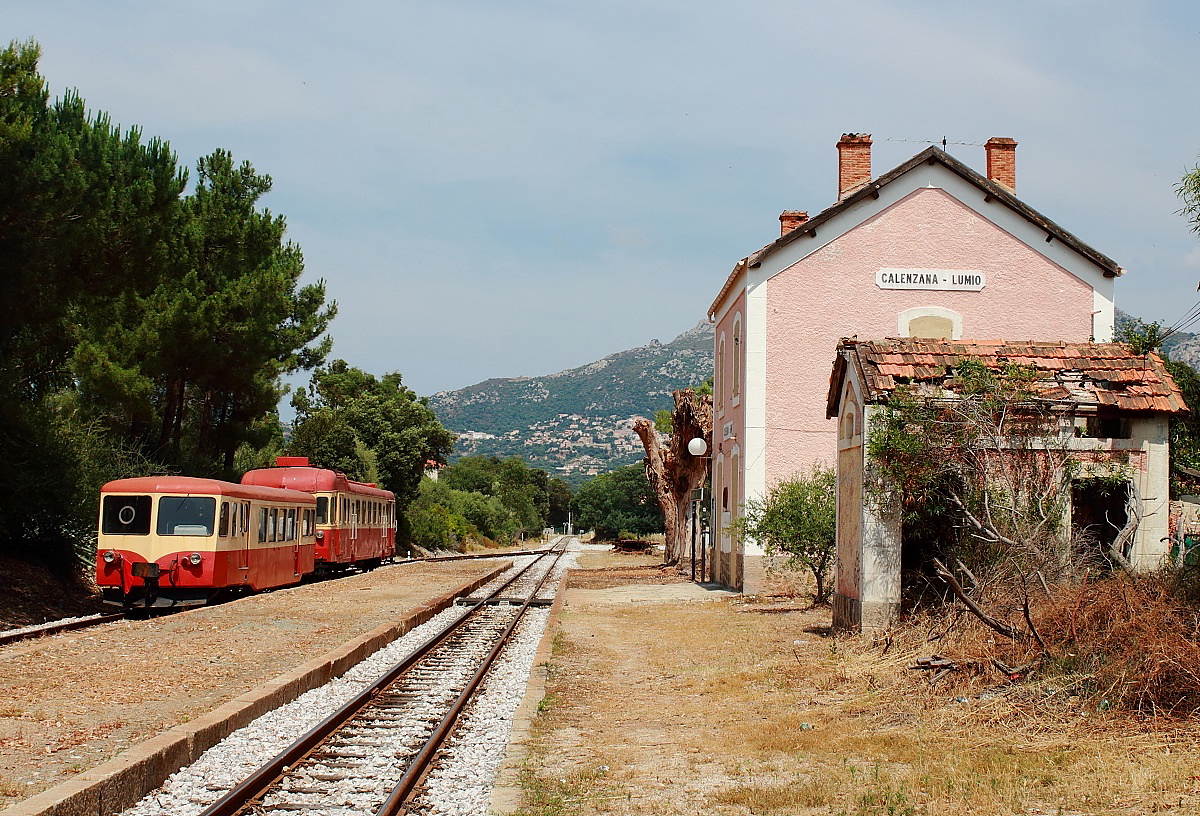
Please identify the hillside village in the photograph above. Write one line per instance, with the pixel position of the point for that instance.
(583, 445)
(578, 422)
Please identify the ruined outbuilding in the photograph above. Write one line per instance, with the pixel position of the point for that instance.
(1113, 408)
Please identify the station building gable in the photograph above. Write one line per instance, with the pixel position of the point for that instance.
(931, 249)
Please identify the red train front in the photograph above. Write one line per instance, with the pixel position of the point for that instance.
(168, 541)
(355, 522)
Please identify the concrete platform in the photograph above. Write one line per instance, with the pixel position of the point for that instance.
(649, 593)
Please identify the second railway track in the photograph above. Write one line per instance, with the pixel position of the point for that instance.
(17, 635)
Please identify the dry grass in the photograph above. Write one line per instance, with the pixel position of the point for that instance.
(713, 708)
(1120, 641)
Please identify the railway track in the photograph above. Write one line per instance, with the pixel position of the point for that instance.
(55, 627)
(373, 753)
(72, 624)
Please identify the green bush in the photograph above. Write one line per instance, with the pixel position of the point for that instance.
(798, 518)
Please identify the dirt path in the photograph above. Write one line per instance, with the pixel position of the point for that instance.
(660, 702)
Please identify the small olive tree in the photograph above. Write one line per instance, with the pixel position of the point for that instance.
(798, 519)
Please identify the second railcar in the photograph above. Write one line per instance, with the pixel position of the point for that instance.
(356, 522)
(167, 541)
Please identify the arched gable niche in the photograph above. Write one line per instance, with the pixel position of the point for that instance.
(929, 322)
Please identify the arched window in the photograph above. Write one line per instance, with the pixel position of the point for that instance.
(737, 360)
(719, 384)
(735, 480)
(719, 486)
(847, 427)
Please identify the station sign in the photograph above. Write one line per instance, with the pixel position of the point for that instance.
(942, 280)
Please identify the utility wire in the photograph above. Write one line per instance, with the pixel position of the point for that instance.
(1189, 319)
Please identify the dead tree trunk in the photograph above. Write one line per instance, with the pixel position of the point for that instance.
(673, 472)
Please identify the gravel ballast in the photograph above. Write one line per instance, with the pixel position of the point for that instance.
(462, 781)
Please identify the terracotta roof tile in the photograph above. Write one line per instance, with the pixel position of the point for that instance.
(1102, 374)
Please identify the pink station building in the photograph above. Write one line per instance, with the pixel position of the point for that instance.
(930, 249)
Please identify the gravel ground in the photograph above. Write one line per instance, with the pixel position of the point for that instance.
(74, 700)
(191, 789)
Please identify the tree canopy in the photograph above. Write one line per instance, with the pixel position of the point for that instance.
(487, 499)
(798, 519)
(372, 429)
(142, 329)
(620, 501)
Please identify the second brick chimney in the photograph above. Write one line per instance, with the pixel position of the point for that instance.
(854, 162)
(1002, 161)
(790, 219)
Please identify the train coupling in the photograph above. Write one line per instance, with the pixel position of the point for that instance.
(143, 569)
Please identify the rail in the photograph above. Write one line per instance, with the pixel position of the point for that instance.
(55, 627)
(388, 696)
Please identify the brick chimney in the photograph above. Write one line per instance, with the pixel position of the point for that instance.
(854, 162)
(1002, 161)
(790, 219)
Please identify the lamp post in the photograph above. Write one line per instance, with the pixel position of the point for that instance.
(697, 447)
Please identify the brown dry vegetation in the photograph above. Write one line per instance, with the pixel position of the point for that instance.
(740, 707)
(1117, 641)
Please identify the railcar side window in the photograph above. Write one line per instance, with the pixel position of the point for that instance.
(223, 525)
(273, 525)
(291, 525)
(322, 509)
(125, 515)
(262, 524)
(186, 515)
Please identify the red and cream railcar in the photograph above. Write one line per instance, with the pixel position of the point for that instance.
(356, 522)
(169, 541)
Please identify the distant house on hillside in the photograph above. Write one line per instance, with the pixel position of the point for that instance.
(930, 249)
(1099, 405)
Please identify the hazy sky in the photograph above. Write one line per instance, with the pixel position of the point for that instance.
(514, 188)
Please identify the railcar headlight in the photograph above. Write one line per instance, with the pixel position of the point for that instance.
(320, 535)
(109, 556)
(194, 558)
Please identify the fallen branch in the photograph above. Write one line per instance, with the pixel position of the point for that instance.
(1029, 618)
(995, 625)
(1042, 579)
(940, 666)
(963, 569)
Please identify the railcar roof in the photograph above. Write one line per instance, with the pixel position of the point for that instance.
(190, 485)
(311, 479)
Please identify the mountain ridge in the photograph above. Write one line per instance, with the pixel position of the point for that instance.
(579, 421)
